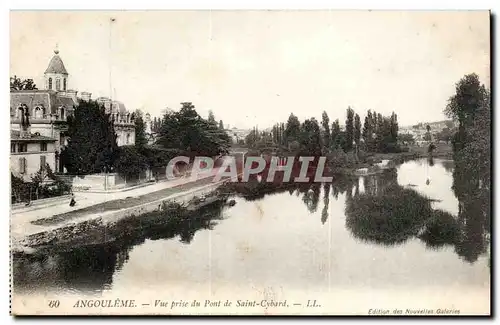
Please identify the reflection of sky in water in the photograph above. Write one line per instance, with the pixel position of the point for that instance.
(439, 188)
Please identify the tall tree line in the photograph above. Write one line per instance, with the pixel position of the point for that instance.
(378, 133)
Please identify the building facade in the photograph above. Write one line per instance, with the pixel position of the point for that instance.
(47, 111)
(30, 152)
(123, 120)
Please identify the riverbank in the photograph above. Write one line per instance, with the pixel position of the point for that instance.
(370, 160)
(60, 225)
(119, 231)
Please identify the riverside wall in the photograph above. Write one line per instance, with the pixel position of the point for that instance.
(104, 227)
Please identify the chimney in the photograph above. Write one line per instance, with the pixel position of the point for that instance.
(25, 127)
(86, 96)
(72, 94)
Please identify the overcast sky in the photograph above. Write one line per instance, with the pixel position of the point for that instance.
(255, 67)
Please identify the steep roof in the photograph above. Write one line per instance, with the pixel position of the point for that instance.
(15, 135)
(56, 65)
(43, 98)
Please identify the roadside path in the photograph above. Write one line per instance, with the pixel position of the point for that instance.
(89, 204)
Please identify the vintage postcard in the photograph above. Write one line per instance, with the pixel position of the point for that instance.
(279, 162)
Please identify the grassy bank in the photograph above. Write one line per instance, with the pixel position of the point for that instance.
(166, 222)
(122, 203)
(347, 164)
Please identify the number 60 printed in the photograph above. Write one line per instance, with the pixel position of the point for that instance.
(53, 303)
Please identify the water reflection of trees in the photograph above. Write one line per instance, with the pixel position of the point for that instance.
(326, 202)
(91, 268)
(386, 213)
(389, 214)
(473, 218)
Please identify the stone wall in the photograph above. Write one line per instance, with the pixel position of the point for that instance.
(106, 182)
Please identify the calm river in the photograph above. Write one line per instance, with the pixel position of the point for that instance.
(349, 244)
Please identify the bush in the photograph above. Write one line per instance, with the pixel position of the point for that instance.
(38, 188)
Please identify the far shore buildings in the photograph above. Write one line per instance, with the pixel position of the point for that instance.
(237, 135)
(39, 121)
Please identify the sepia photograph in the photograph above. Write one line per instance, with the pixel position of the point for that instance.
(250, 162)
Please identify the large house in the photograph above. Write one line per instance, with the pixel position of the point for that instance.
(39, 120)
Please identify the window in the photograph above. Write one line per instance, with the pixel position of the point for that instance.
(43, 162)
(50, 83)
(43, 146)
(38, 112)
(64, 84)
(62, 113)
(23, 147)
(128, 138)
(22, 165)
(58, 84)
(12, 147)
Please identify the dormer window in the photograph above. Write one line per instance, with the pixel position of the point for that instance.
(64, 84)
(38, 112)
(50, 83)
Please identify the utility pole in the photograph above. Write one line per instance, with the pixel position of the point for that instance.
(111, 21)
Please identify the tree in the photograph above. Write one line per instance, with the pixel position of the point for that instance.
(153, 125)
(292, 130)
(252, 138)
(470, 95)
(470, 106)
(186, 130)
(325, 124)
(357, 129)
(349, 129)
(221, 125)
(282, 134)
(130, 162)
(310, 137)
(92, 145)
(394, 128)
(335, 135)
(18, 84)
(211, 117)
(140, 129)
(368, 131)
